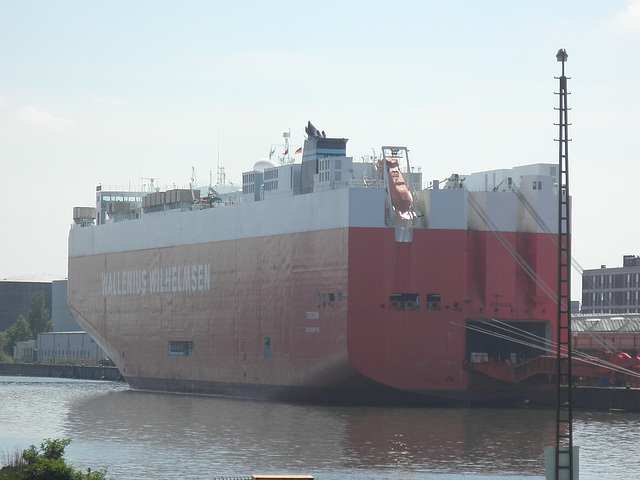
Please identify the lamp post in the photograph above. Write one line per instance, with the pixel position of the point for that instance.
(565, 457)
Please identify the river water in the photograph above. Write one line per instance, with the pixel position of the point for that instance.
(138, 435)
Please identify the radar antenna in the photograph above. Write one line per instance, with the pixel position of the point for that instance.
(286, 157)
(192, 184)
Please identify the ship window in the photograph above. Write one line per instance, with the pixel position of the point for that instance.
(404, 301)
(180, 349)
(267, 347)
(328, 300)
(434, 301)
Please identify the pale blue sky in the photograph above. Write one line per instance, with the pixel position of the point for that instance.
(108, 92)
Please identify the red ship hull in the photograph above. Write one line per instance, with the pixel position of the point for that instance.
(311, 316)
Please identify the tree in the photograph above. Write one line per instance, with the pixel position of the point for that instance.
(39, 317)
(3, 354)
(19, 332)
(48, 463)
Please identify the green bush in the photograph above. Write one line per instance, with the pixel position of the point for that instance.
(18, 332)
(47, 463)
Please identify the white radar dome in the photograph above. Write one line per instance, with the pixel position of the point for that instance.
(263, 163)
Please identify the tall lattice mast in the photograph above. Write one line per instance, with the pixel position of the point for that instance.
(564, 405)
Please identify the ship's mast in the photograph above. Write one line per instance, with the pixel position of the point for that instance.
(286, 157)
(564, 454)
(286, 135)
(218, 160)
(222, 176)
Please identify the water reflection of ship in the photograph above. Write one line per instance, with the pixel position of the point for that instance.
(207, 434)
(230, 436)
(450, 440)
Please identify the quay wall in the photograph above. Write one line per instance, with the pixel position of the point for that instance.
(61, 371)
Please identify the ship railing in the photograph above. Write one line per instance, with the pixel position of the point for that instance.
(353, 183)
(535, 366)
(516, 372)
(364, 183)
(588, 368)
(123, 217)
(83, 224)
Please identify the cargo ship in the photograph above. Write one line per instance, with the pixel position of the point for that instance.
(331, 279)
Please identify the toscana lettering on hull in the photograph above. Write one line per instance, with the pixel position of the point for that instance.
(187, 279)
